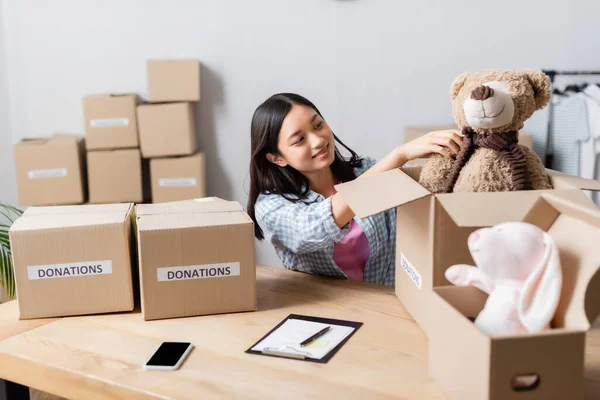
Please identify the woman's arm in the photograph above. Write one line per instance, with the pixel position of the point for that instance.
(298, 227)
(446, 143)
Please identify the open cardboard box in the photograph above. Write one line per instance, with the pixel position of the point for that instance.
(432, 229)
(548, 365)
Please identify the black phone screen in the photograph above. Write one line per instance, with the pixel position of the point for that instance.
(168, 353)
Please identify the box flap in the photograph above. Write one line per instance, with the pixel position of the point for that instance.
(35, 218)
(371, 195)
(79, 209)
(66, 137)
(32, 141)
(561, 180)
(202, 205)
(55, 138)
(97, 96)
(487, 209)
(575, 227)
(191, 220)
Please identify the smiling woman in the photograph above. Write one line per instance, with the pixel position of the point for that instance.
(295, 165)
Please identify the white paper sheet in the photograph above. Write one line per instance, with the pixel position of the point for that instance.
(287, 338)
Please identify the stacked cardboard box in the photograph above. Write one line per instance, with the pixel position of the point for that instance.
(168, 130)
(51, 171)
(113, 154)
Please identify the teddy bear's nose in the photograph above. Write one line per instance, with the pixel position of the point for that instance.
(482, 92)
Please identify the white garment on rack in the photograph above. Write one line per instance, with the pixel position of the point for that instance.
(537, 126)
(569, 129)
(592, 93)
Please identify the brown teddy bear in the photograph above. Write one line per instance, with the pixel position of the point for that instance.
(490, 108)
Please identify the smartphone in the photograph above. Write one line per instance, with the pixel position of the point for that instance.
(169, 356)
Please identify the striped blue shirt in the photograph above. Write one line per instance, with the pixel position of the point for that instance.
(303, 234)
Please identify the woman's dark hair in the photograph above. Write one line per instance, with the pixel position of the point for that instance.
(267, 177)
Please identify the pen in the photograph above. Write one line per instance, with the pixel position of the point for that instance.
(315, 336)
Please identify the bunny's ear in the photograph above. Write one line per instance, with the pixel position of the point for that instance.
(541, 291)
(467, 275)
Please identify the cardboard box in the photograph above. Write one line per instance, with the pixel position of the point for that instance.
(173, 80)
(196, 257)
(553, 359)
(51, 171)
(178, 178)
(73, 260)
(115, 176)
(431, 229)
(413, 132)
(110, 121)
(167, 129)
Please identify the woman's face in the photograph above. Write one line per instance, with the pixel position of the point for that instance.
(305, 141)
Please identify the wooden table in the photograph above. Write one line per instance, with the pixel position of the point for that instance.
(101, 356)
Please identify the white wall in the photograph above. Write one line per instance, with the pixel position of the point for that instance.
(371, 66)
(8, 185)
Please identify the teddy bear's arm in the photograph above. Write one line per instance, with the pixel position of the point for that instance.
(537, 172)
(435, 172)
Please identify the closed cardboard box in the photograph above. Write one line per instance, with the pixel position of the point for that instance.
(167, 129)
(468, 364)
(73, 260)
(51, 171)
(177, 178)
(173, 80)
(110, 121)
(196, 257)
(431, 229)
(413, 132)
(115, 176)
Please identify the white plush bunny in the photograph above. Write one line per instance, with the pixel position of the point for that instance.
(518, 266)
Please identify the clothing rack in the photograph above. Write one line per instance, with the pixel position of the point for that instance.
(553, 74)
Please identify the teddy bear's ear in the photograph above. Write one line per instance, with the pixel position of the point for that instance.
(541, 87)
(458, 84)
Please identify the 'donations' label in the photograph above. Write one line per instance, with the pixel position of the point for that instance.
(47, 173)
(177, 182)
(168, 274)
(411, 271)
(109, 122)
(84, 268)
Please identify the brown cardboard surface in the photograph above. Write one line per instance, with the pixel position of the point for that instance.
(178, 178)
(458, 346)
(167, 129)
(72, 241)
(203, 205)
(110, 121)
(487, 209)
(173, 80)
(51, 170)
(555, 356)
(393, 187)
(211, 238)
(561, 180)
(115, 176)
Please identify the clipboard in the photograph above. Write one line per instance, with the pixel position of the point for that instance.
(288, 353)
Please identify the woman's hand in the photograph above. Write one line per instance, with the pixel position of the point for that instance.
(446, 143)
